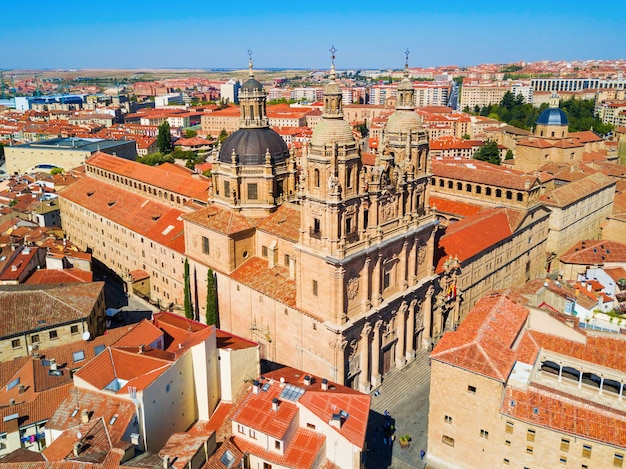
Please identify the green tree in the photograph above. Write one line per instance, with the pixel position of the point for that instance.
(187, 292)
(155, 159)
(222, 136)
(189, 133)
(509, 154)
(488, 152)
(211, 300)
(164, 139)
(55, 171)
(1, 151)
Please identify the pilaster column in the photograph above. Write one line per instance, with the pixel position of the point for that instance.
(413, 263)
(427, 311)
(364, 357)
(401, 328)
(339, 343)
(376, 380)
(410, 332)
(376, 280)
(402, 266)
(365, 286)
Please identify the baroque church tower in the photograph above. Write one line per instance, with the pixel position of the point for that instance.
(366, 241)
(253, 171)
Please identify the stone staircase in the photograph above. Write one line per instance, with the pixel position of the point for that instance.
(398, 382)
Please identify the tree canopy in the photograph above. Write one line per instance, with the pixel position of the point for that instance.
(514, 111)
(164, 139)
(488, 152)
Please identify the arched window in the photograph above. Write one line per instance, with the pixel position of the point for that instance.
(349, 181)
(488, 191)
(468, 188)
(440, 182)
(459, 186)
(479, 189)
(316, 177)
(509, 195)
(520, 197)
(449, 184)
(498, 193)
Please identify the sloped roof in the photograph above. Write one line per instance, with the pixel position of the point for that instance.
(483, 173)
(594, 252)
(222, 221)
(275, 283)
(570, 193)
(454, 207)
(566, 413)
(193, 187)
(129, 369)
(21, 306)
(284, 223)
(472, 235)
(484, 342)
(136, 212)
(56, 276)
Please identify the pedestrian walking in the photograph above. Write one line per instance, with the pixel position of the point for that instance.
(422, 454)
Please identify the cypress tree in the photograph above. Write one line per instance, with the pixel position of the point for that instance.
(187, 293)
(211, 300)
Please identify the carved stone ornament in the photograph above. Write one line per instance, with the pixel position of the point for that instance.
(354, 346)
(388, 212)
(421, 254)
(353, 288)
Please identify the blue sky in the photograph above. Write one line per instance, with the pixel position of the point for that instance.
(116, 34)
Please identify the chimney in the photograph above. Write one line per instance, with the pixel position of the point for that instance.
(275, 404)
(53, 364)
(255, 386)
(11, 401)
(166, 461)
(21, 388)
(142, 348)
(307, 380)
(77, 447)
(335, 421)
(84, 416)
(588, 287)
(324, 384)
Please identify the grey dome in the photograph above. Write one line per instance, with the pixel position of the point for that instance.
(552, 116)
(250, 145)
(251, 86)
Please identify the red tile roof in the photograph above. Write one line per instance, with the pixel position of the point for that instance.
(482, 172)
(21, 306)
(133, 211)
(275, 282)
(71, 275)
(193, 187)
(484, 341)
(570, 193)
(222, 221)
(454, 207)
(546, 407)
(284, 223)
(228, 341)
(302, 452)
(476, 233)
(592, 252)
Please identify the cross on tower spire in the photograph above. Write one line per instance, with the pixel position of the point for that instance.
(250, 73)
(332, 51)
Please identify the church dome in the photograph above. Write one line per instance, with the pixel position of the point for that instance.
(252, 86)
(552, 116)
(251, 145)
(332, 130)
(403, 121)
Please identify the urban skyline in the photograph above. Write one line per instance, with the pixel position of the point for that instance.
(131, 36)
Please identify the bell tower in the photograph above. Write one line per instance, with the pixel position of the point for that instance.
(329, 186)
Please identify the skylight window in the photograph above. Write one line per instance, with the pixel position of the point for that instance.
(227, 459)
(116, 384)
(79, 356)
(13, 383)
(167, 230)
(291, 393)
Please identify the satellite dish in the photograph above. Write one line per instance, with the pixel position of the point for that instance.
(86, 335)
(79, 435)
